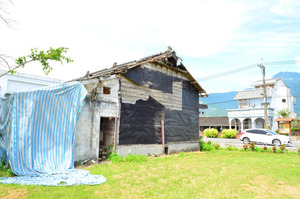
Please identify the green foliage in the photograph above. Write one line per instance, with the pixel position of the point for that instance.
(135, 158)
(77, 163)
(182, 154)
(211, 133)
(283, 113)
(3, 170)
(258, 149)
(251, 146)
(115, 158)
(229, 133)
(282, 147)
(53, 54)
(202, 143)
(207, 147)
(274, 149)
(231, 148)
(209, 142)
(216, 146)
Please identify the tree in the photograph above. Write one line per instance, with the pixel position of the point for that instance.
(54, 54)
(42, 57)
(283, 113)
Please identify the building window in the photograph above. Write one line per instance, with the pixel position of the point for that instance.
(106, 90)
(243, 104)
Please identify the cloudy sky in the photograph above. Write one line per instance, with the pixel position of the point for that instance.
(211, 37)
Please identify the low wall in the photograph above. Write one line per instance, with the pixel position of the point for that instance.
(139, 149)
(179, 147)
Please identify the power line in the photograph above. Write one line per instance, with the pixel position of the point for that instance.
(243, 68)
(222, 102)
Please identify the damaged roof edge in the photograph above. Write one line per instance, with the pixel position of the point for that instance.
(159, 58)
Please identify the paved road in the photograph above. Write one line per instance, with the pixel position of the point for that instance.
(239, 144)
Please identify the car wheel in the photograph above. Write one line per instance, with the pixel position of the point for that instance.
(276, 142)
(246, 140)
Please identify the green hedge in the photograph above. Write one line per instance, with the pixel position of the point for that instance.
(228, 133)
(211, 133)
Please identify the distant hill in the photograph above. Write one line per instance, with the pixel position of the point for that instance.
(215, 109)
(219, 109)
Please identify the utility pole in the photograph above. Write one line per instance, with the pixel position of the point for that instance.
(265, 95)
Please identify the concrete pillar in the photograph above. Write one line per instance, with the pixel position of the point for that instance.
(242, 123)
(253, 123)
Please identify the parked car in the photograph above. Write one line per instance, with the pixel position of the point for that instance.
(264, 136)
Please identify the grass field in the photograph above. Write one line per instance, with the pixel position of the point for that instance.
(214, 174)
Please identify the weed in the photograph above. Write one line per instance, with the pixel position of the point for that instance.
(251, 146)
(182, 154)
(265, 148)
(209, 142)
(231, 148)
(135, 158)
(216, 146)
(274, 149)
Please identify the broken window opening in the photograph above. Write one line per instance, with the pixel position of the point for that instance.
(106, 90)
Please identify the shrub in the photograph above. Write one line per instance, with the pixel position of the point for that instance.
(265, 148)
(251, 146)
(115, 158)
(282, 147)
(245, 146)
(209, 142)
(216, 146)
(258, 149)
(207, 147)
(231, 148)
(229, 133)
(202, 143)
(274, 149)
(211, 133)
(135, 158)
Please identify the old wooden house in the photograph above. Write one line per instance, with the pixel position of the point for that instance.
(148, 106)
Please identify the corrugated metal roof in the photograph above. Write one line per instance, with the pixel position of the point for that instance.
(167, 59)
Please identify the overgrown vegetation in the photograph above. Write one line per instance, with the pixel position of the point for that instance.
(211, 133)
(229, 133)
(5, 172)
(115, 158)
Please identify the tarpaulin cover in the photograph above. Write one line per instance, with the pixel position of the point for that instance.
(40, 144)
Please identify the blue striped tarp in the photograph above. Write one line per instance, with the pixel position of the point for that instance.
(42, 136)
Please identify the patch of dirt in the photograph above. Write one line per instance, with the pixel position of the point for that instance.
(19, 193)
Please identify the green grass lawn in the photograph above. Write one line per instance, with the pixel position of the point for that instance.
(215, 174)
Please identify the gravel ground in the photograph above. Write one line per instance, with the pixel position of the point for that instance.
(239, 144)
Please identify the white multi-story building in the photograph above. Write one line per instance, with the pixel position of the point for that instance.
(20, 82)
(250, 113)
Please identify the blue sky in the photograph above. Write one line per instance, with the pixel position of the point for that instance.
(210, 36)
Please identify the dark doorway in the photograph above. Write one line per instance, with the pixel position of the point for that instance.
(107, 131)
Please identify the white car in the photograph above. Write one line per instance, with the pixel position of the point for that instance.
(264, 136)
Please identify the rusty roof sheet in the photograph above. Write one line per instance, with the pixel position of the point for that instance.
(167, 59)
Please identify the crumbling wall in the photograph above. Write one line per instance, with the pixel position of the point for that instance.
(97, 105)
